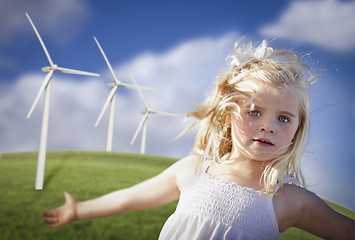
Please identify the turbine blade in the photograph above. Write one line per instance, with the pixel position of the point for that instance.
(72, 71)
(108, 100)
(40, 40)
(140, 93)
(41, 89)
(164, 113)
(136, 87)
(108, 63)
(144, 119)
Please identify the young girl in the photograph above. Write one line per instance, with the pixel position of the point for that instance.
(242, 179)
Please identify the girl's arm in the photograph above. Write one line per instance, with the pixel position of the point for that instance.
(156, 191)
(300, 208)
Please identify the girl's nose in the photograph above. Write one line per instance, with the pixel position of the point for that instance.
(267, 126)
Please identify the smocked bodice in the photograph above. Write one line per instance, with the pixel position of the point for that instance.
(214, 208)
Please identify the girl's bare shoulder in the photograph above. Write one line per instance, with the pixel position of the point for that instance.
(289, 202)
(185, 169)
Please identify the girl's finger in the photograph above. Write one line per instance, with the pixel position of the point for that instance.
(49, 220)
(50, 213)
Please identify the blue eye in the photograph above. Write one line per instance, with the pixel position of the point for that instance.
(283, 119)
(254, 113)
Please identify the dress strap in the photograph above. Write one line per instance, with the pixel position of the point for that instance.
(288, 180)
(291, 180)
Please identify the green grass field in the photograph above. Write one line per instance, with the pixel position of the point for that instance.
(85, 175)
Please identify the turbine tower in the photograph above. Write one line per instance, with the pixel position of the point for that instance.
(111, 99)
(45, 87)
(143, 124)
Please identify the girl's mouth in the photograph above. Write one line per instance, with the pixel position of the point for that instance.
(264, 142)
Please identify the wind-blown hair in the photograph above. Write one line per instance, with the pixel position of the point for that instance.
(239, 83)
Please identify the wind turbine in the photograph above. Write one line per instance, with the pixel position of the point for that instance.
(111, 99)
(45, 87)
(143, 124)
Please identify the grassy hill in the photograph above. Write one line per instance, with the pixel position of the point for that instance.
(85, 175)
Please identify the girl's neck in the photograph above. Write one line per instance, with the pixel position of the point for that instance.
(243, 171)
(245, 167)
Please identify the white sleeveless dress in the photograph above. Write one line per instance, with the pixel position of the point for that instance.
(214, 208)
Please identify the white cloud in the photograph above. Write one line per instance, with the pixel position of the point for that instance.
(182, 76)
(50, 16)
(328, 23)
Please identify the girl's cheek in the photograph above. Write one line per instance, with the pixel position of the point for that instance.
(242, 126)
(289, 135)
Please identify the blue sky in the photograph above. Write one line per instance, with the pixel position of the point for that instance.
(177, 47)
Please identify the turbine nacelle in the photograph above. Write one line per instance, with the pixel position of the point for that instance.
(113, 84)
(144, 111)
(47, 69)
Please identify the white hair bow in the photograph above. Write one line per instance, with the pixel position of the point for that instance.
(240, 58)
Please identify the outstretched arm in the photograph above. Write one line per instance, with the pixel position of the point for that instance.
(158, 190)
(305, 210)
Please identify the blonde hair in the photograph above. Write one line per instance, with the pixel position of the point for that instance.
(280, 69)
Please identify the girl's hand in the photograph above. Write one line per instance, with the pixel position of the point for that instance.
(62, 215)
